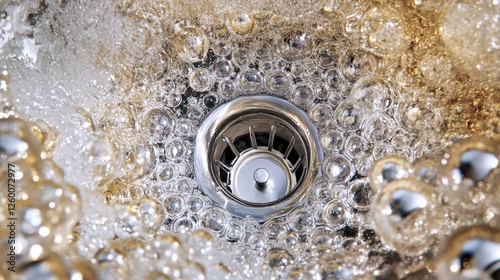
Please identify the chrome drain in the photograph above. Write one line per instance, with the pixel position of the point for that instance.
(257, 156)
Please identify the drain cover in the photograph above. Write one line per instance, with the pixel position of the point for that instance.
(257, 156)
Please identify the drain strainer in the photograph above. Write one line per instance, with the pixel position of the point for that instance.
(257, 156)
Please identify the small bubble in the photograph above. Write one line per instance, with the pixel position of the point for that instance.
(354, 146)
(215, 219)
(249, 81)
(348, 116)
(175, 149)
(200, 80)
(174, 99)
(302, 95)
(360, 194)
(174, 206)
(278, 81)
(242, 23)
(159, 124)
(191, 44)
(320, 114)
(331, 139)
(296, 45)
(243, 56)
(221, 48)
(226, 88)
(164, 172)
(223, 68)
(335, 214)
(300, 220)
(338, 169)
(210, 101)
(278, 259)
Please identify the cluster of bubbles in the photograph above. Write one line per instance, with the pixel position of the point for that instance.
(444, 207)
(39, 208)
(375, 79)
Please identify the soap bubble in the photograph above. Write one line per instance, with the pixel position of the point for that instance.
(322, 93)
(151, 214)
(174, 206)
(387, 30)
(388, 169)
(472, 253)
(165, 172)
(127, 225)
(359, 194)
(335, 214)
(243, 56)
(300, 220)
(140, 161)
(200, 79)
(159, 124)
(378, 127)
(226, 88)
(106, 157)
(173, 99)
(331, 139)
(175, 149)
(338, 169)
(467, 165)
(328, 54)
(406, 215)
(210, 101)
(221, 48)
(348, 116)
(223, 68)
(354, 146)
(290, 239)
(241, 23)
(278, 81)
(296, 44)
(277, 259)
(302, 95)
(215, 219)
(273, 229)
(249, 81)
(320, 114)
(234, 232)
(183, 225)
(371, 92)
(191, 44)
(195, 204)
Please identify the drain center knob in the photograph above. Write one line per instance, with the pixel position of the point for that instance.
(261, 176)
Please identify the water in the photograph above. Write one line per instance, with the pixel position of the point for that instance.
(125, 87)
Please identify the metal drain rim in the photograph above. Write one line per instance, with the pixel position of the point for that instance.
(238, 108)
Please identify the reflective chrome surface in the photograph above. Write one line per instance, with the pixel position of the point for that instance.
(473, 253)
(475, 165)
(257, 156)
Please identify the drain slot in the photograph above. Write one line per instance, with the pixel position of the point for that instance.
(257, 156)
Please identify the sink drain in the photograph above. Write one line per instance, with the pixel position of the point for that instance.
(257, 156)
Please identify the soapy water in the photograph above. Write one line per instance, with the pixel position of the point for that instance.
(127, 85)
